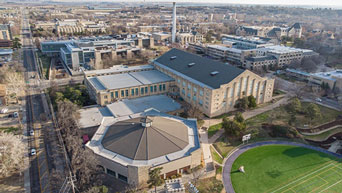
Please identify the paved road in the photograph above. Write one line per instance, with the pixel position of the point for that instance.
(228, 162)
(38, 119)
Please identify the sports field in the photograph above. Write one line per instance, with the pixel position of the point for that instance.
(286, 169)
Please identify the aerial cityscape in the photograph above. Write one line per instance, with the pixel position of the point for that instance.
(170, 96)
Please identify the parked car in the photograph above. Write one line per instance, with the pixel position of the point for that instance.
(33, 152)
(15, 114)
(10, 115)
(318, 100)
(4, 110)
(31, 132)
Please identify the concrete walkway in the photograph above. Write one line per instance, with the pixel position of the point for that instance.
(228, 162)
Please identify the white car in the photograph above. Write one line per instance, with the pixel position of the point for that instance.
(318, 100)
(4, 110)
(33, 152)
(15, 114)
(31, 132)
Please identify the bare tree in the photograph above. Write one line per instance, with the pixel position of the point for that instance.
(12, 152)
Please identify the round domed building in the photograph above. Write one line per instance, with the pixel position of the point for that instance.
(128, 147)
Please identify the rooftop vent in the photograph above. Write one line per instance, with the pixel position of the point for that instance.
(173, 57)
(191, 64)
(214, 73)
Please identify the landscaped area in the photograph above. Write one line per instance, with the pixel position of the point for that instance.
(211, 185)
(323, 136)
(45, 62)
(281, 116)
(282, 168)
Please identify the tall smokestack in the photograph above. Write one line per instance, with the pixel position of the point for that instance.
(174, 23)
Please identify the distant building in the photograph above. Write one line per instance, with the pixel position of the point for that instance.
(89, 53)
(294, 31)
(6, 55)
(5, 32)
(333, 79)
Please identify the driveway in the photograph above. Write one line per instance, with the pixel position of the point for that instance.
(228, 162)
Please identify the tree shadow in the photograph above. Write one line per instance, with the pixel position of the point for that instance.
(302, 151)
(236, 171)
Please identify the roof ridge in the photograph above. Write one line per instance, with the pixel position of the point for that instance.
(166, 137)
(142, 135)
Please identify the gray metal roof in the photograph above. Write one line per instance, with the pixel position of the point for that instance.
(202, 68)
(126, 80)
(131, 139)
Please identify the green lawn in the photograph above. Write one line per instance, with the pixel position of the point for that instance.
(213, 129)
(323, 136)
(273, 168)
(216, 156)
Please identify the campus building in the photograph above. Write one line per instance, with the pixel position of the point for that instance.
(89, 53)
(294, 31)
(125, 83)
(211, 86)
(5, 32)
(129, 147)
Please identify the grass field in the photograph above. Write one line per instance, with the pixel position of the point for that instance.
(286, 169)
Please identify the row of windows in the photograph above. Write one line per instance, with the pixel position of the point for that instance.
(135, 91)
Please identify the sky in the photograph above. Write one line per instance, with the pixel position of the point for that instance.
(330, 3)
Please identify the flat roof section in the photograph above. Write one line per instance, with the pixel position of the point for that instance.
(92, 116)
(117, 81)
(127, 80)
(126, 107)
(151, 77)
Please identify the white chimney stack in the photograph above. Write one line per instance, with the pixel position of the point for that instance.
(174, 23)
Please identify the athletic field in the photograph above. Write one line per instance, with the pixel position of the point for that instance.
(286, 169)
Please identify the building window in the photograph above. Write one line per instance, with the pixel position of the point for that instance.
(164, 87)
(111, 172)
(184, 84)
(178, 81)
(151, 89)
(122, 93)
(155, 88)
(200, 102)
(116, 94)
(183, 91)
(136, 91)
(132, 92)
(126, 93)
(146, 90)
(142, 91)
(112, 95)
(201, 92)
(189, 87)
(105, 96)
(194, 98)
(160, 87)
(189, 95)
(122, 177)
